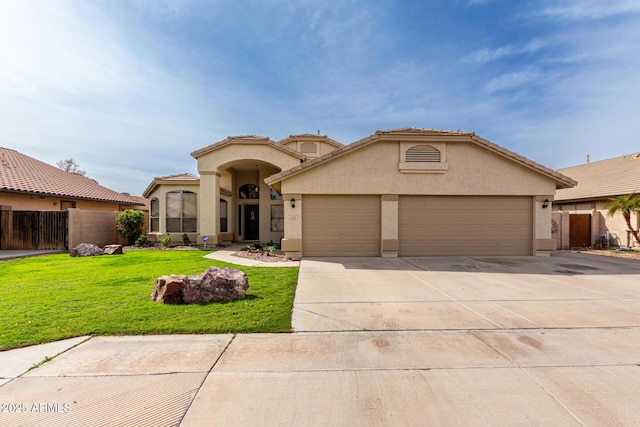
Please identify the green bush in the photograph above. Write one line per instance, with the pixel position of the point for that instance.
(142, 241)
(165, 241)
(129, 223)
(185, 240)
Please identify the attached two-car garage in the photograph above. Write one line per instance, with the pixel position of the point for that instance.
(427, 225)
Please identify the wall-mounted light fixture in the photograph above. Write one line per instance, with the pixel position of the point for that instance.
(293, 203)
(545, 204)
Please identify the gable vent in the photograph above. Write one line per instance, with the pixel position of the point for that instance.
(308, 147)
(422, 154)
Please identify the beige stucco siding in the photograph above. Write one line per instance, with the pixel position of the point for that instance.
(601, 223)
(232, 154)
(374, 169)
(24, 202)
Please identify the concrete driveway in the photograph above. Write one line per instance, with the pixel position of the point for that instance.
(567, 290)
(424, 341)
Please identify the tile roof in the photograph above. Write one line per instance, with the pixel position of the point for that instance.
(20, 173)
(178, 178)
(307, 136)
(603, 179)
(244, 139)
(562, 181)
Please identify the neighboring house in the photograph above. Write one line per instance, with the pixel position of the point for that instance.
(401, 192)
(44, 207)
(580, 216)
(29, 184)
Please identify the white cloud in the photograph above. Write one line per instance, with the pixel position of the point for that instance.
(583, 10)
(509, 81)
(502, 52)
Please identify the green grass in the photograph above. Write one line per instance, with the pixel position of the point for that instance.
(53, 297)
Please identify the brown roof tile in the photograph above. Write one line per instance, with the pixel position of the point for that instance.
(20, 173)
(603, 179)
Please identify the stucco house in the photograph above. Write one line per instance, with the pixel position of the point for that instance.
(44, 207)
(580, 213)
(400, 192)
(27, 184)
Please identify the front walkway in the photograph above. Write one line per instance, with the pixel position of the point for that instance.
(226, 254)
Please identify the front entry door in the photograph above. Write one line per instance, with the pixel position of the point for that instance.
(251, 222)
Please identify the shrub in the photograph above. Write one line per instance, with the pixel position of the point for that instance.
(185, 240)
(165, 241)
(142, 241)
(129, 223)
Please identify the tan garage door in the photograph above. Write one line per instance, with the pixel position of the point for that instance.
(465, 225)
(341, 225)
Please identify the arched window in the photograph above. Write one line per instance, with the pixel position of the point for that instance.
(223, 216)
(249, 191)
(155, 215)
(422, 153)
(182, 212)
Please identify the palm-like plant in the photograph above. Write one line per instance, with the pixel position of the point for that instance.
(625, 205)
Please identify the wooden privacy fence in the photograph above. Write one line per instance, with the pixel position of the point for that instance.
(26, 230)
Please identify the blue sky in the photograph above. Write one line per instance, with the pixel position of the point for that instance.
(130, 88)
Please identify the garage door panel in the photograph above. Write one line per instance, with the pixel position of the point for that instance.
(476, 225)
(341, 225)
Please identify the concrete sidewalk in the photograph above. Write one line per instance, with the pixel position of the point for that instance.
(517, 341)
(516, 377)
(6, 254)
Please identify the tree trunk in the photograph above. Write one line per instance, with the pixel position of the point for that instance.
(627, 218)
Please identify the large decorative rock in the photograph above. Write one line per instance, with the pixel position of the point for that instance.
(168, 290)
(215, 285)
(113, 250)
(85, 249)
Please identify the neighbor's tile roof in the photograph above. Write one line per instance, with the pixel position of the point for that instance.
(603, 179)
(20, 173)
(562, 181)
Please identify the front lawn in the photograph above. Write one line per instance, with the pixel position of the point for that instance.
(53, 297)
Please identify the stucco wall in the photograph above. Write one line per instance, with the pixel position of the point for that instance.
(601, 222)
(218, 168)
(228, 156)
(374, 169)
(97, 227)
(20, 202)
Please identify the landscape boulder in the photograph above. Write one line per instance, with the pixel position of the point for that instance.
(113, 250)
(85, 249)
(215, 285)
(168, 290)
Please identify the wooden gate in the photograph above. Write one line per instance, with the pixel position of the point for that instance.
(26, 230)
(580, 230)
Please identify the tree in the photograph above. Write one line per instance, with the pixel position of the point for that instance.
(625, 205)
(70, 165)
(129, 223)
